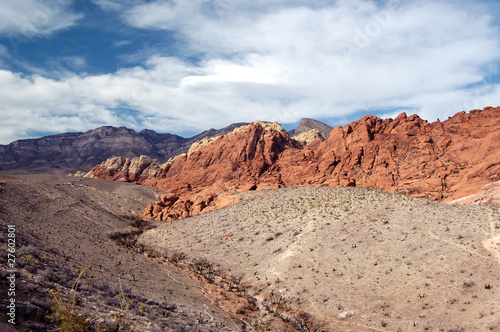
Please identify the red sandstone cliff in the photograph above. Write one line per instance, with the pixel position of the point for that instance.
(440, 160)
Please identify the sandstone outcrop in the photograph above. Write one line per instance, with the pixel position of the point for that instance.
(309, 136)
(127, 170)
(440, 160)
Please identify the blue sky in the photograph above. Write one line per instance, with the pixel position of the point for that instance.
(185, 66)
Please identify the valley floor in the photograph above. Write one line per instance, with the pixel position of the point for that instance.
(333, 259)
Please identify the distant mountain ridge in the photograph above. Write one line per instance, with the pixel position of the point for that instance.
(82, 151)
(307, 124)
(71, 152)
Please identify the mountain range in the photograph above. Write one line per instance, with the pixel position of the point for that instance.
(408, 155)
(71, 152)
(290, 256)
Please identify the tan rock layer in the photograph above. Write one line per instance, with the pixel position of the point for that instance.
(309, 136)
(440, 160)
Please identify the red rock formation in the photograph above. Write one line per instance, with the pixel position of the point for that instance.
(439, 160)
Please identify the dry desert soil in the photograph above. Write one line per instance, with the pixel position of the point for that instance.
(293, 259)
(383, 260)
(64, 225)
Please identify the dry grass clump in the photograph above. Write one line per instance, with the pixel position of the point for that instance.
(65, 311)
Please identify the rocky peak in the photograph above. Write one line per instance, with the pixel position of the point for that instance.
(306, 124)
(109, 130)
(269, 126)
(125, 169)
(201, 143)
(310, 136)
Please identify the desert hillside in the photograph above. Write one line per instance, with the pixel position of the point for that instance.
(291, 259)
(441, 161)
(80, 267)
(64, 227)
(385, 260)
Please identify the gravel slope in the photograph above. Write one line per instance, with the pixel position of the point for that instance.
(64, 225)
(354, 255)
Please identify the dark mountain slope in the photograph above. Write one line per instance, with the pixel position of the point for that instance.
(70, 152)
(306, 124)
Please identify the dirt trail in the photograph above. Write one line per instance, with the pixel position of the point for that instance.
(493, 246)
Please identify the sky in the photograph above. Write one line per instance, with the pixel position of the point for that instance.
(184, 66)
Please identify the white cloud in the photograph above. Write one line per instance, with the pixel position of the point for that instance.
(276, 60)
(28, 18)
(347, 56)
(74, 62)
(114, 5)
(108, 4)
(121, 43)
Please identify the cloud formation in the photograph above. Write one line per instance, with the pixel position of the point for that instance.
(27, 18)
(274, 60)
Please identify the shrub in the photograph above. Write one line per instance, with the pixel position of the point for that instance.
(178, 256)
(65, 311)
(30, 250)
